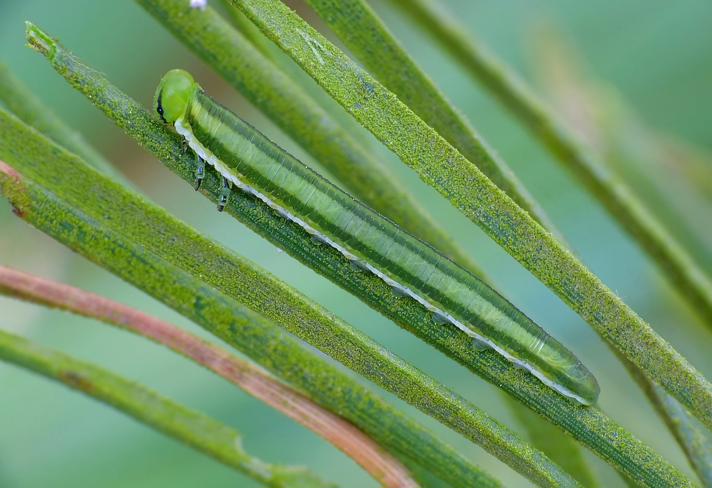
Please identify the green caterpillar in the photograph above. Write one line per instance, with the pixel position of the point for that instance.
(251, 162)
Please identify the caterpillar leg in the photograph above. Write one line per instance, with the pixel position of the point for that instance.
(199, 172)
(224, 194)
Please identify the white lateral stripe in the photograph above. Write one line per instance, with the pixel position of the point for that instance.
(212, 160)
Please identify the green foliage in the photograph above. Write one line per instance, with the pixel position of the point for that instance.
(57, 193)
(139, 242)
(368, 39)
(589, 425)
(692, 437)
(240, 372)
(638, 157)
(365, 35)
(563, 449)
(321, 134)
(259, 291)
(445, 169)
(195, 429)
(682, 272)
(19, 100)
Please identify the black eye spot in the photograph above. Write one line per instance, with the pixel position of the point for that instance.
(159, 108)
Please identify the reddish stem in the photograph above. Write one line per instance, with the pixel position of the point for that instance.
(254, 380)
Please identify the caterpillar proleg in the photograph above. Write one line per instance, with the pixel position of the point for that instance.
(252, 163)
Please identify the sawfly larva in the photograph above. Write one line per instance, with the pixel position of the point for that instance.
(248, 160)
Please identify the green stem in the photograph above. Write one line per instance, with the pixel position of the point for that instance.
(690, 435)
(19, 100)
(262, 82)
(589, 425)
(199, 431)
(445, 169)
(228, 53)
(259, 291)
(245, 27)
(365, 35)
(610, 128)
(692, 162)
(561, 448)
(139, 242)
(254, 380)
(284, 63)
(191, 29)
(673, 260)
(671, 183)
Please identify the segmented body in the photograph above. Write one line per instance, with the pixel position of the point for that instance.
(255, 165)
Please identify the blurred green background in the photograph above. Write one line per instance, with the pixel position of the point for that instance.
(658, 57)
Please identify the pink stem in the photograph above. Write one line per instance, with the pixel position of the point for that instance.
(254, 380)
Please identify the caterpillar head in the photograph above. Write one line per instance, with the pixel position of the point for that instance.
(174, 94)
